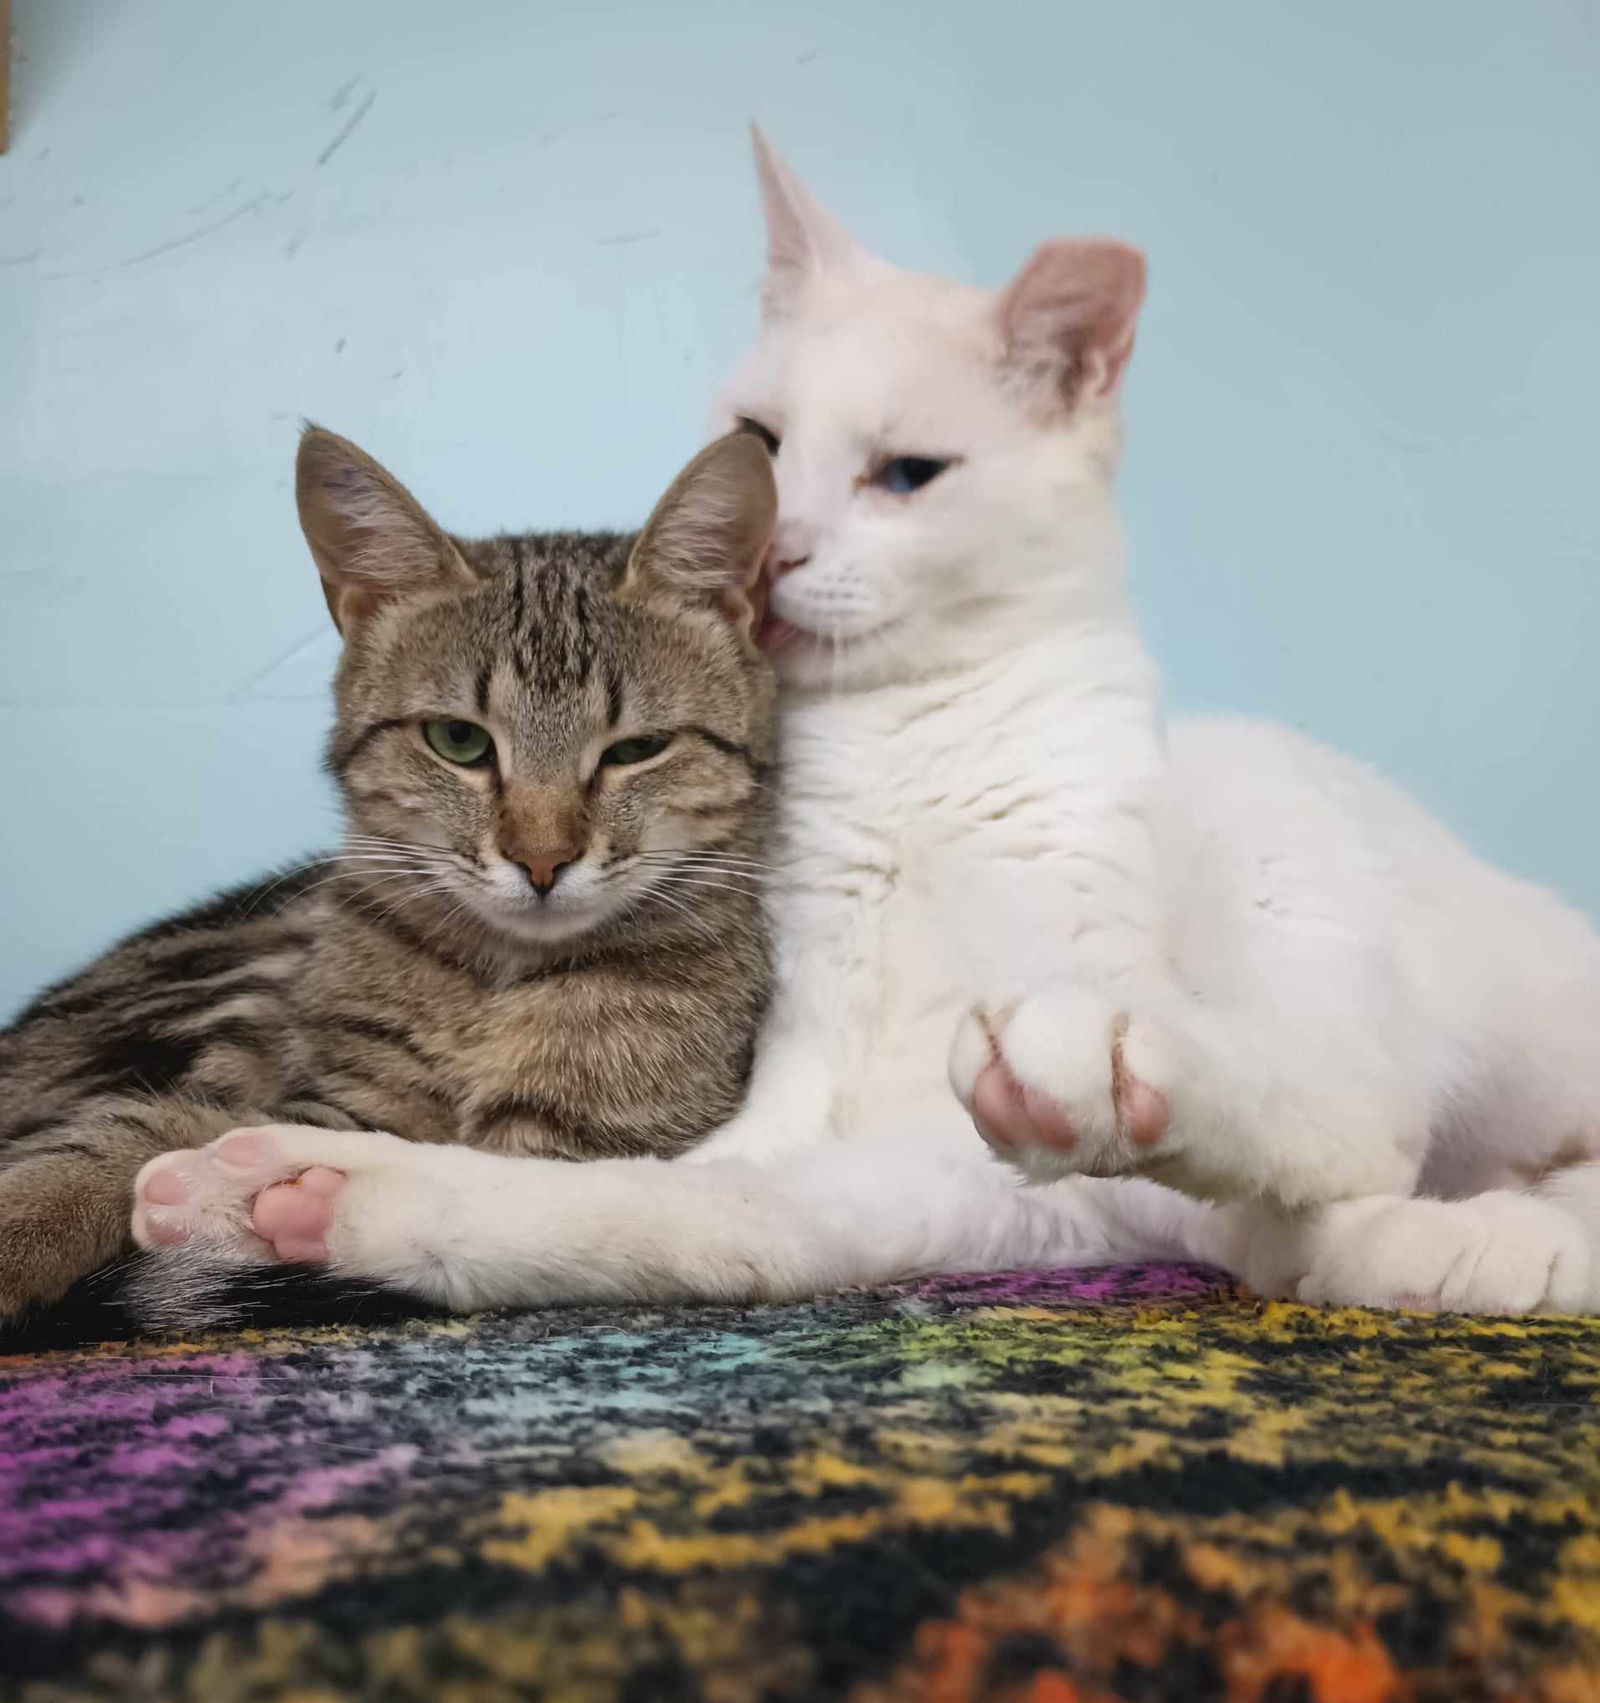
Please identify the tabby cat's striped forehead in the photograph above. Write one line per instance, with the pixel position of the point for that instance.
(547, 604)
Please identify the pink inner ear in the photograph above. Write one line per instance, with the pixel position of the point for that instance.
(1072, 310)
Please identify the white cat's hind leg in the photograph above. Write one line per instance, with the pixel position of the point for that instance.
(1576, 1192)
(1501, 1253)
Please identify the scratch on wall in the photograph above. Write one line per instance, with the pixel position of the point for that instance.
(211, 200)
(252, 206)
(262, 675)
(343, 134)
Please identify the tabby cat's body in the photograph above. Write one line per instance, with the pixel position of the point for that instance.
(610, 1009)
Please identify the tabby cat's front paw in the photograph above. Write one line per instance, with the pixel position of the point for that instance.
(1064, 1082)
(358, 1201)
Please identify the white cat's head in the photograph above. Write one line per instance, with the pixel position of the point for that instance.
(944, 453)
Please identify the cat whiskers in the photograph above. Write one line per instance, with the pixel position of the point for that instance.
(673, 878)
(678, 859)
(724, 877)
(364, 846)
(374, 876)
(380, 863)
(657, 895)
(704, 872)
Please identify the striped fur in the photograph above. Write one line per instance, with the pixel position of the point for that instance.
(387, 986)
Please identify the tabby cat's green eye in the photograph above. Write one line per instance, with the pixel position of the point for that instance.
(461, 742)
(638, 750)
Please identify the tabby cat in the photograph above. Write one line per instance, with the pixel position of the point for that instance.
(544, 931)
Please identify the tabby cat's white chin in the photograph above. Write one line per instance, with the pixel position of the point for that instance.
(546, 925)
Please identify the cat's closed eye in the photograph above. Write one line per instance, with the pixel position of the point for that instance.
(637, 750)
(769, 437)
(907, 473)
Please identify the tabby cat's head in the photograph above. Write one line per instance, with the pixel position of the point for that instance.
(538, 734)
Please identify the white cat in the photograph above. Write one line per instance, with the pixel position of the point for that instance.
(1227, 959)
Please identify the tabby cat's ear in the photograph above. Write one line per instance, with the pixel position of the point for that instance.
(372, 540)
(803, 238)
(1068, 316)
(708, 535)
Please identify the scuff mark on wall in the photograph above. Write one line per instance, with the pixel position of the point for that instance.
(345, 130)
(253, 682)
(253, 205)
(211, 200)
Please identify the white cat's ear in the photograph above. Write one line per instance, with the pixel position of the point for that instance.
(708, 535)
(371, 539)
(803, 238)
(1068, 316)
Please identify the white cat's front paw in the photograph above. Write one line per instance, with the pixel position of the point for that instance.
(363, 1203)
(1064, 1082)
(1491, 1253)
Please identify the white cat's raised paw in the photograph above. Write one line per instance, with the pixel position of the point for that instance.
(1491, 1253)
(1064, 1082)
(360, 1201)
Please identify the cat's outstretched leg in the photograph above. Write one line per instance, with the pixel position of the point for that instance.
(468, 1229)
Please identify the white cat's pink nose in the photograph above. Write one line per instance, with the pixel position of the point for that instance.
(790, 549)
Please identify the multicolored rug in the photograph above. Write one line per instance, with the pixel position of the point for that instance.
(1131, 1485)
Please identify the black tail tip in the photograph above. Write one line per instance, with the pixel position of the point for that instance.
(179, 1292)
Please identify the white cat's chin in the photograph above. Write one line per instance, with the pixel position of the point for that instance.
(835, 662)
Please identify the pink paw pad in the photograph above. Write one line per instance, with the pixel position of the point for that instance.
(1010, 1116)
(166, 1187)
(1143, 1112)
(164, 1192)
(244, 1196)
(295, 1217)
(245, 1150)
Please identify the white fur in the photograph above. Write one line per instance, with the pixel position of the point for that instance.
(989, 848)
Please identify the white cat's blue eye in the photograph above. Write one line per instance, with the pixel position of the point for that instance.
(907, 473)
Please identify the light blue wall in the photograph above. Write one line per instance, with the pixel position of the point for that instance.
(511, 246)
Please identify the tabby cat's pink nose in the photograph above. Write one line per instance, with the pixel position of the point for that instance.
(544, 867)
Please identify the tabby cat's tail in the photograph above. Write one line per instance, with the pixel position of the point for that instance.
(184, 1293)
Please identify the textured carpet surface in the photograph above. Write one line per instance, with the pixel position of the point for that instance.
(1062, 1489)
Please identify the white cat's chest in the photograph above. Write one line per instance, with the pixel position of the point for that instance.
(895, 826)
